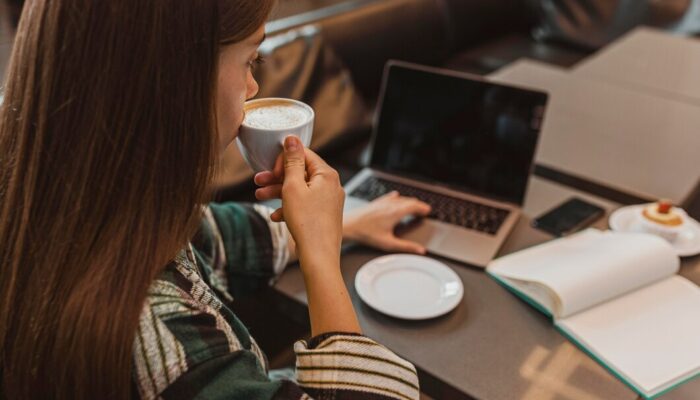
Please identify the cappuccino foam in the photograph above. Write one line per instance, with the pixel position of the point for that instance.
(278, 116)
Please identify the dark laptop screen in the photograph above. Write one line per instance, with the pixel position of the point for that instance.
(468, 134)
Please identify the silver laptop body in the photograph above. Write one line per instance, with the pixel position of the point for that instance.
(447, 234)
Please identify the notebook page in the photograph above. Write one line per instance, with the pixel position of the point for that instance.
(540, 294)
(650, 337)
(590, 267)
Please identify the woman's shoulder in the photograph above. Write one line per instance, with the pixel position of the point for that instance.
(183, 324)
(182, 282)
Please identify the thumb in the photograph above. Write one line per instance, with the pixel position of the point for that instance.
(294, 159)
(394, 243)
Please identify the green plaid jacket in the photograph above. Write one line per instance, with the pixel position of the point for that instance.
(189, 344)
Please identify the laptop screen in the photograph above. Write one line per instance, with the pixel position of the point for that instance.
(468, 134)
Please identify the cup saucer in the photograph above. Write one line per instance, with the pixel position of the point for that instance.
(409, 286)
(687, 244)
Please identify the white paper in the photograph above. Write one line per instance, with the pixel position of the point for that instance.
(590, 267)
(651, 336)
(642, 143)
(649, 60)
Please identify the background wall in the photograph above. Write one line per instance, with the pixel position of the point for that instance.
(284, 8)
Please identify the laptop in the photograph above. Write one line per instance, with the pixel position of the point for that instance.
(460, 143)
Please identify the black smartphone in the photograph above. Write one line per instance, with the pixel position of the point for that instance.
(568, 217)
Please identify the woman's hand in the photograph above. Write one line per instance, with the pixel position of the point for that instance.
(312, 206)
(312, 200)
(373, 224)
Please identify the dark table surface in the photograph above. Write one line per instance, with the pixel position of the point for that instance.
(493, 345)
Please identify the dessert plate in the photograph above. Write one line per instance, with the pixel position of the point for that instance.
(687, 244)
(409, 286)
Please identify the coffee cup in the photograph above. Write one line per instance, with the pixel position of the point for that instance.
(267, 122)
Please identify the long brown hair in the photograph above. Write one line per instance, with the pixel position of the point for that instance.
(107, 148)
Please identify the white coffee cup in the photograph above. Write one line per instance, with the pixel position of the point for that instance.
(267, 122)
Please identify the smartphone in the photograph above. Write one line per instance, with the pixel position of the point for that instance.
(568, 217)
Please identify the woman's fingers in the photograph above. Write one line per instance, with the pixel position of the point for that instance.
(405, 205)
(412, 206)
(294, 161)
(265, 178)
(393, 243)
(390, 195)
(277, 215)
(269, 192)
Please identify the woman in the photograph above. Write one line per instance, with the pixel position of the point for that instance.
(114, 276)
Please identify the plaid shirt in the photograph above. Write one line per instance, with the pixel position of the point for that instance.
(189, 344)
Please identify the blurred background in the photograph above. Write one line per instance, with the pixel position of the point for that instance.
(331, 55)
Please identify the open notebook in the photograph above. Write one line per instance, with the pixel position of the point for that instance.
(616, 296)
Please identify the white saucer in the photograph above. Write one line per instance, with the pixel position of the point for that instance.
(409, 286)
(687, 244)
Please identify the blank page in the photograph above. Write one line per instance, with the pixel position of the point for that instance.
(651, 337)
(590, 267)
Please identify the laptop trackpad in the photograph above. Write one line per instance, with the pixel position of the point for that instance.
(428, 234)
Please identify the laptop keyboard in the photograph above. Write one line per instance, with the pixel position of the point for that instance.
(447, 209)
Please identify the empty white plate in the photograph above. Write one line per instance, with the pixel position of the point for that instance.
(409, 286)
(687, 244)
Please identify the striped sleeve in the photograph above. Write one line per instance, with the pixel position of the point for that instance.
(186, 348)
(242, 249)
(342, 366)
(189, 344)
